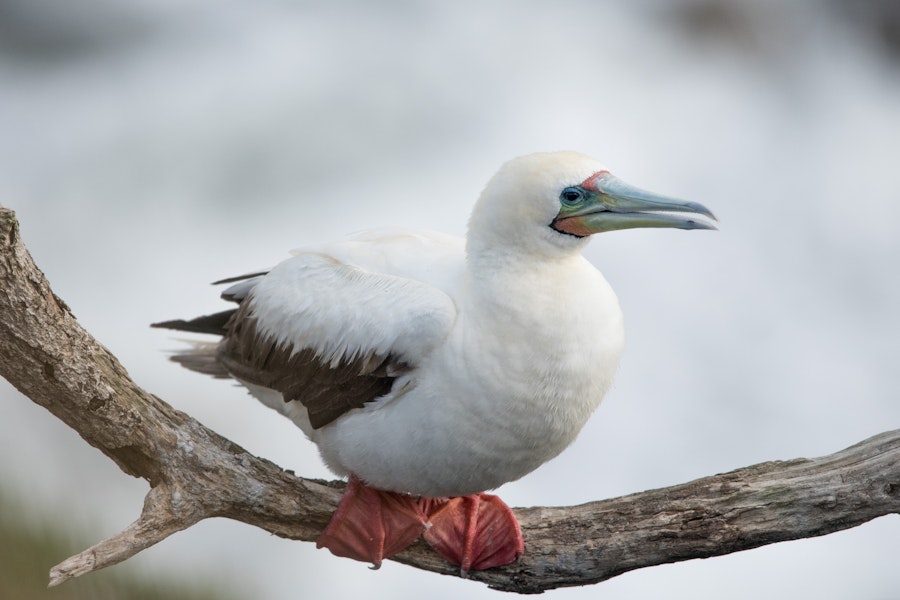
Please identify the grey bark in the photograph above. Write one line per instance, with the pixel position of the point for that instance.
(195, 473)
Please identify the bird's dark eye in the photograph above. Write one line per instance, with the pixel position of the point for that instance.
(571, 196)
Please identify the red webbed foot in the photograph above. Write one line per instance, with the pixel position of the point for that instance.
(475, 532)
(370, 525)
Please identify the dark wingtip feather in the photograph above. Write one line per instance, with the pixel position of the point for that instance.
(214, 323)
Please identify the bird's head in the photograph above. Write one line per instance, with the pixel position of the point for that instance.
(551, 203)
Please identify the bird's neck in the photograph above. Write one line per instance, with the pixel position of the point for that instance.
(518, 286)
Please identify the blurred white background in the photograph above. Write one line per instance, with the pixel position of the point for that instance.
(154, 146)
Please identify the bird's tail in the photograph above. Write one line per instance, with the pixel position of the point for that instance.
(202, 357)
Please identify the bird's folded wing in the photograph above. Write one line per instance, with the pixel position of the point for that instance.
(332, 335)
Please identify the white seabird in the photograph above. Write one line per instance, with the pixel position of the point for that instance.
(428, 368)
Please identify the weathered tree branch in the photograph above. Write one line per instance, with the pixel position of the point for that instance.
(195, 473)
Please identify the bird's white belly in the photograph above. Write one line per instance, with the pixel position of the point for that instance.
(402, 447)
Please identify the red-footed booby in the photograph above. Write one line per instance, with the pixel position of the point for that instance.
(429, 369)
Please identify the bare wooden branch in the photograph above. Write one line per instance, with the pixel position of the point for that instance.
(195, 473)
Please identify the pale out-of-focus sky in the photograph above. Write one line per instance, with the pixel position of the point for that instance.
(152, 147)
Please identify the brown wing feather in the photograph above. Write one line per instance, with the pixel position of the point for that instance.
(326, 391)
